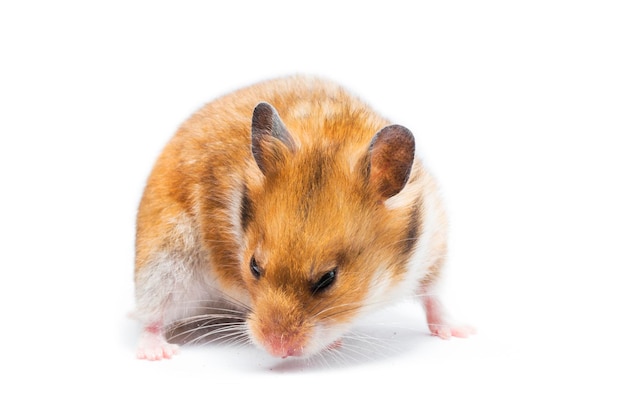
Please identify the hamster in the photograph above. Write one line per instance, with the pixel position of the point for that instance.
(295, 204)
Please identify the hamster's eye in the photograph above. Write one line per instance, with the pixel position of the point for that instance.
(255, 268)
(325, 281)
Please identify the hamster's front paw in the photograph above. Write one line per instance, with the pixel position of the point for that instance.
(154, 347)
(439, 325)
(446, 331)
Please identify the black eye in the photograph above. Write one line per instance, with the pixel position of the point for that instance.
(325, 281)
(255, 268)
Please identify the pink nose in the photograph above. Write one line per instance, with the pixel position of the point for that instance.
(283, 347)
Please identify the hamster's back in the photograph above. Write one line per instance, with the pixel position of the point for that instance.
(311, 108)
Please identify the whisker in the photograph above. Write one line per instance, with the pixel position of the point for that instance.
(228, 332)
(204, 327)
(205, 319)
(240, 340)
(225, 338)
(353, 351)
(346, 354)
(371, 343)
(323, 357)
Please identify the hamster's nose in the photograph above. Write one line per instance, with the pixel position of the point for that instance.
(283, 346)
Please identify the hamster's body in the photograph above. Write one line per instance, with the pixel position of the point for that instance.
(303, 213)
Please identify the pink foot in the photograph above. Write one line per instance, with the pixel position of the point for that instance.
(439, 325)
(446, 331)
(153, 346)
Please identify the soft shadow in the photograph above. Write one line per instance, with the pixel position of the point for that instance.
(364, 345)
(209, 331)
(384, 336)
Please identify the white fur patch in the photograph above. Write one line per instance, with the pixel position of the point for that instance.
(423, 256)
(173, 283)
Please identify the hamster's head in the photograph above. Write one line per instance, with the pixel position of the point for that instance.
(320, 246)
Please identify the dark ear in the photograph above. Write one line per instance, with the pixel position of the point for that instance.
(269, 136)
(392, 151)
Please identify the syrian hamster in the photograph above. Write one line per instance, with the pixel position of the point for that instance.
(294, 206)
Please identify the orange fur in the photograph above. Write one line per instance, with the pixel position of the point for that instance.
(310, 210)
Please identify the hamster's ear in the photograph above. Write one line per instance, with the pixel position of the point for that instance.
(391, 156)
(270, 137)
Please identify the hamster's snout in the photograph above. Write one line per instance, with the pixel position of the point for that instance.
(278, 327)
(278, 338)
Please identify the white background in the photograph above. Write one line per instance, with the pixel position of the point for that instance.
(519, 109)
